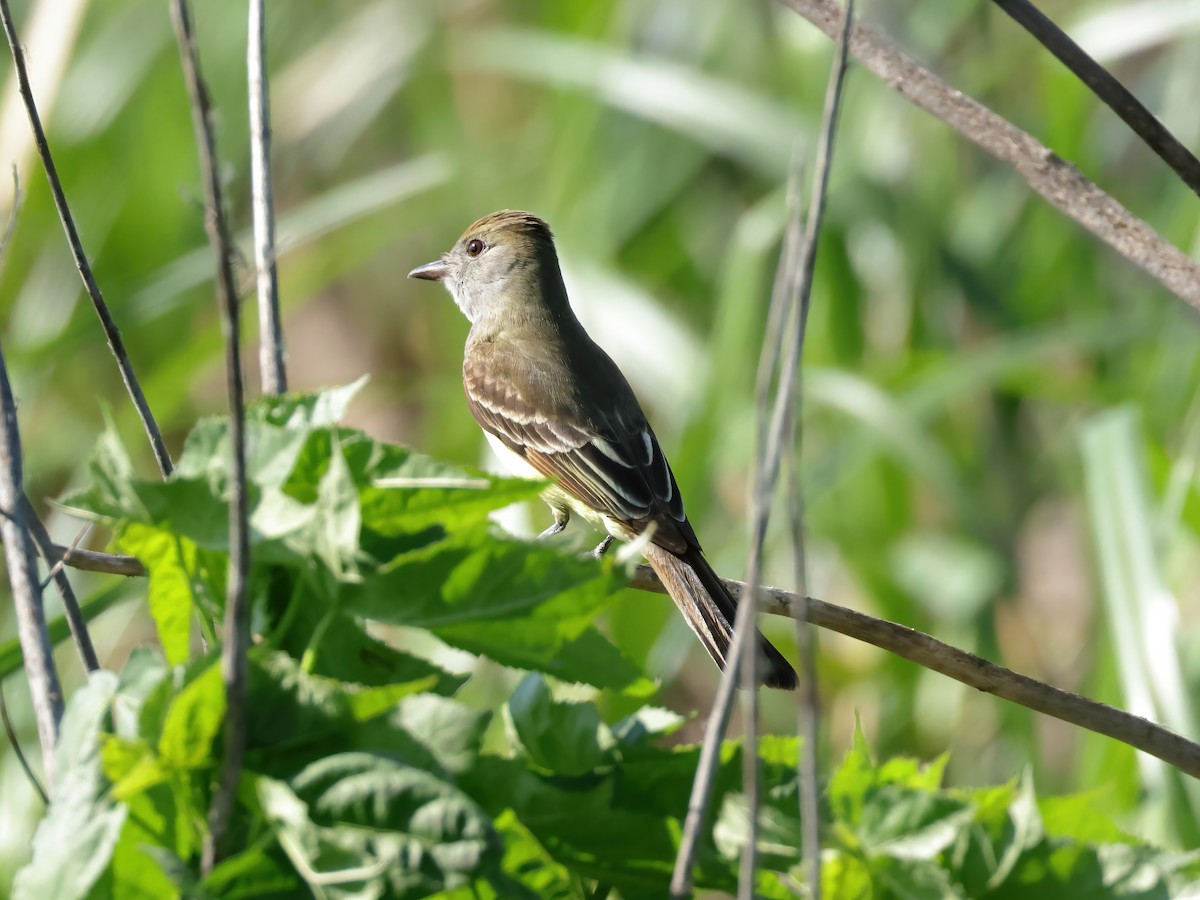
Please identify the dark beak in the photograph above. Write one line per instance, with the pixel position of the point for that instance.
(434, 271)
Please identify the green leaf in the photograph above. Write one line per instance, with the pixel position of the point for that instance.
(528, 864)
(567, 738)
(140, 677)
(593, 659)
(310, 410)
(174, 580)
(407, 492)
(338, 515)
(193, 721)
(357, 822)
(111, 477)
(131, 765)
(521, 604)
(647, 722)
(74, 842)
(293, 707)
(449, 732)
(254, 872)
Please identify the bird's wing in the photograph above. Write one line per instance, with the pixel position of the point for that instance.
(611, 462)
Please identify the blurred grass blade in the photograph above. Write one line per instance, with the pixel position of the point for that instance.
(1124, 29)
(890, 426)
(336, 208)
(10, 651)
(1143, 615)
(724, 117)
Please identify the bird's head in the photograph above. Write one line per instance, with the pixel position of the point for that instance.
(503, 265)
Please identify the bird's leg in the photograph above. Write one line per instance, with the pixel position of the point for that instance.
(562, 516)
(602, 547)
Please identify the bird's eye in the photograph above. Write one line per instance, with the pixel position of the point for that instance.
(474, 247)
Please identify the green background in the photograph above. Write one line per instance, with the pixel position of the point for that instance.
(1000, 418)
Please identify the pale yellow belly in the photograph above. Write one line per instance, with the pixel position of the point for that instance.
(554, 495)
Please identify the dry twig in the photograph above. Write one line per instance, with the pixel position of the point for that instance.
(1057, 181)
(47, 549)
(11, 734)
(929, 652)
(270, 327)
(32, 633)
(790, 305)
(236, 630)
(913, 645)
(1115, 95)
(805, 632)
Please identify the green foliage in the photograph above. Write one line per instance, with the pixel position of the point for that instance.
(364, 777)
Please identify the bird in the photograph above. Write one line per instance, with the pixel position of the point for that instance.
(553, 405)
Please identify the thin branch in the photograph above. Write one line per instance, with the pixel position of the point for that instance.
(772, 439)
(270, 328)
(929, 652)
(710, 751)
(53, 550)
(11, 734)
(1115, 95)
(46, 547)
(913, 645)
(808, 713)
(37, 530)
(806, 642)
(32, 633)
(94, 561)
(115, 344)
(236, 627)
(1057, 181)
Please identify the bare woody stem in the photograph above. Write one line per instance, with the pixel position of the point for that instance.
(1057, 181)
(111, 333)
(270, 328)
(1115, 95)
(971, 670)
(786, 346)
(913, 645)
(34, 637)
(236, 626)
(47, 548)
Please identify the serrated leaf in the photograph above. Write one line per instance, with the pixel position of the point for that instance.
(647, 722)
(296, 706)
(141, 675)
(1026, 832)
(528, 863)
(358, 822)
(312, 410)
(174, 580)
(110, 476)
(591, 658)
(193, 721)
(131, 766)
(408, 492)
(450, 732)
(520, 604)
(74, 842)
(254, 872)
(567, 738)
(338, 517)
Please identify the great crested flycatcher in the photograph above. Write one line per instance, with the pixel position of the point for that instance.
(554, 405)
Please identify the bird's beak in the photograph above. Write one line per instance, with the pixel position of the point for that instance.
(434, 271)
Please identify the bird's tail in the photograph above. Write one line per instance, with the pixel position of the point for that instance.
(710, 610)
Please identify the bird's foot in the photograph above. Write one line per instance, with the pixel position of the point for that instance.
(561, 518)
(602, 547)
